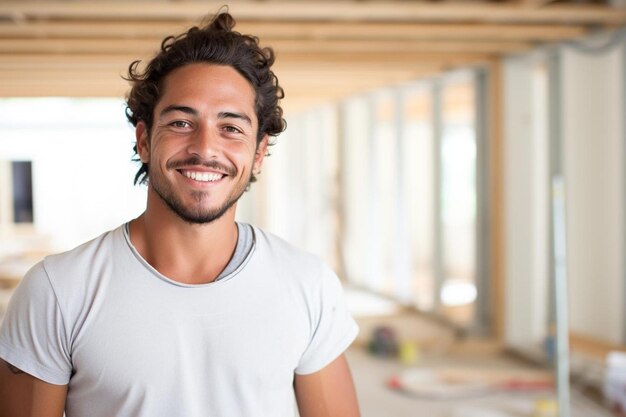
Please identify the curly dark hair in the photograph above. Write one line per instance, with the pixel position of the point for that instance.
(215, 43)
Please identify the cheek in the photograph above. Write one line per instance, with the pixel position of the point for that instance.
(164, 151)
(242, 155)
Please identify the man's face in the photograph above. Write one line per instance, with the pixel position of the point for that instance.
(202, 146)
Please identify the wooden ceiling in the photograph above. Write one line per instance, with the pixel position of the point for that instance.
(326, 49)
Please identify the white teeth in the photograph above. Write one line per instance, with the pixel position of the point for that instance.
(202, 176)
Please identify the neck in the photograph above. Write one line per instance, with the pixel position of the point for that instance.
(183, 252)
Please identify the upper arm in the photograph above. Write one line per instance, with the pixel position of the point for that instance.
(328, 392)
(23, 395)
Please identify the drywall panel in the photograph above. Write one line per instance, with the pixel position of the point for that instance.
(526, 206)
(593, 112)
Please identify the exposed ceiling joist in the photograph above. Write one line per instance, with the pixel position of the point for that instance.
(409, 30)
(299, 30)
(535, 3)
(387, 60)
(96, 83)
(305, 76)
(398, 46)
(64, 61)
(281, 46)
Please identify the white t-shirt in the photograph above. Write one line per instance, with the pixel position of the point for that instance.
(131, 342)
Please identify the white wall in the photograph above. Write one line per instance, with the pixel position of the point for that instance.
(526, 205)
(592, 88)
(82, 173)
(299, 183)
(593, 111)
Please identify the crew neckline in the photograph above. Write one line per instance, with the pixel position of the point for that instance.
(220, 279)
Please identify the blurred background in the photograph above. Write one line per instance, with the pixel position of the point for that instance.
(423, 143)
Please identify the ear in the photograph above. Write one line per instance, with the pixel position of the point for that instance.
(143, 145)
(261, 150)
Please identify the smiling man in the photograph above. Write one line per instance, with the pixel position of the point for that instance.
(183, 311)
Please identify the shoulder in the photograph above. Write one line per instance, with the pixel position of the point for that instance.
(292, 263)
(70, 279)
(275, 248)
(86, 255)
(74, 273)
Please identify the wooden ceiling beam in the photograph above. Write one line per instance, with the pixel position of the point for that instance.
(377, 46)
(399, 11)
(297, 80)
(311, 76)
(410, 30)
(77, 46)
(296, 30)
(308, 78)
(285, 60)
(77, 88)
(58, 82)
(141, 46)
(64, 85)
(390, 59)
(535, 3)
(64, 61)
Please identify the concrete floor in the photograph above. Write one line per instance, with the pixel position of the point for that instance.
(440, 350)
(377, 400)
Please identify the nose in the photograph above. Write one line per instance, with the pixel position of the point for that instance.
(204, 143)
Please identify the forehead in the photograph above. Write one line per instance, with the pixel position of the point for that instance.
(202, 85)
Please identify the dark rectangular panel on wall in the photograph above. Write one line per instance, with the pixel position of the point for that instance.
(22, 191)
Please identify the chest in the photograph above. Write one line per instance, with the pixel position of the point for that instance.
(173, 344)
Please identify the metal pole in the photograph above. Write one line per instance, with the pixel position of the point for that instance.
(559, 254)
(560, 295)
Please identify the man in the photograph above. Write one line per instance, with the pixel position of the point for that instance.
(183, 311)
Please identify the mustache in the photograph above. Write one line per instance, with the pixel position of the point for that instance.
(199, 162)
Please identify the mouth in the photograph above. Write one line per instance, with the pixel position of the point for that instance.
(202, 176)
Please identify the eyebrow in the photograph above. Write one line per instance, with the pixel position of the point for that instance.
(176, 107)
(232, 115)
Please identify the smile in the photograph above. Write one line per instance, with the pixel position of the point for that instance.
(203, 176)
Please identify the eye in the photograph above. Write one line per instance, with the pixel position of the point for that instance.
(232, 129)
(180, 124)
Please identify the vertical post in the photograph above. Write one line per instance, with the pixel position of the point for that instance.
(560, 294)
(375, 276)
(623, 71)
(401, 250)
(496, 198)
(338, 190)
(483, 276)
(558, 236)
(438, 272)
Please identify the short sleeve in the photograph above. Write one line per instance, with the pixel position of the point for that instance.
(335, 329)
(32, 334)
